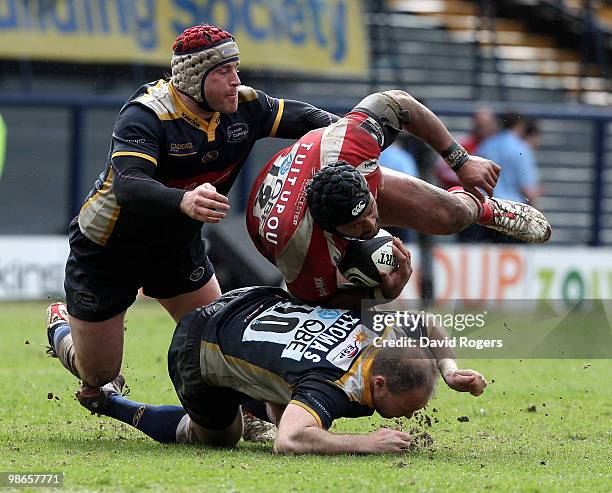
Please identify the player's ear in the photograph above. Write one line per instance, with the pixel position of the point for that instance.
(380, 383)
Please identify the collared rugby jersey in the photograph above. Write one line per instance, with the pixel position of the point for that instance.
(278, 219)
(270, 348)
(185, 150)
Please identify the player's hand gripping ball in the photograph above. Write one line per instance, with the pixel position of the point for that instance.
(365, 259)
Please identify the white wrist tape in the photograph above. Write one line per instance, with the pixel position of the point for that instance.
(447, 365)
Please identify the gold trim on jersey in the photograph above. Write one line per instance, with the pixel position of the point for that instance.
(221, 370)
(100, 213)
(135, 154)
(194, 120)
(158, 99)
(356, 381)
(306, 408)
(279, 115)
(182, 155)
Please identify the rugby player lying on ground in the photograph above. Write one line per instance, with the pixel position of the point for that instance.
(303, 224)
(310, 364)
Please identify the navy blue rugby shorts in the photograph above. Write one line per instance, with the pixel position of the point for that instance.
(102, 282)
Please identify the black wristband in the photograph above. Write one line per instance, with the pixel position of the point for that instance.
(455, 156)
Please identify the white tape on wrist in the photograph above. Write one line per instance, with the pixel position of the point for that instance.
(447, 365)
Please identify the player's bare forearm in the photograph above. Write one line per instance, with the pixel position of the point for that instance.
(299, 433)
(423, 123)
(460, 380)
(474, 172)
(314, 440)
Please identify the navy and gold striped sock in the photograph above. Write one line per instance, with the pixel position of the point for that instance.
(158, 422)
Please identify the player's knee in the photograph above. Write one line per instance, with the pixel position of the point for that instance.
(97, 375)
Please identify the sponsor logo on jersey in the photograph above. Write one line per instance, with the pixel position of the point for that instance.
(358, 209)
(193, 121)
(286, 164)
(270, 189)
(345, 352)
(311, 333)
(319, 283)
(210, 156)
(181, 146)
(237, 132)
(328, 313)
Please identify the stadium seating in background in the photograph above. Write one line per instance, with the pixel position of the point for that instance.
(448, 42)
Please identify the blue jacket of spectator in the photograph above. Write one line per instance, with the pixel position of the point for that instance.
(398, 159)
(517, 161)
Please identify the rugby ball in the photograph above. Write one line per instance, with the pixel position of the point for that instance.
(365, 259)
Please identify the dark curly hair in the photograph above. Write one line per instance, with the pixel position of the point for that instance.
(337, 194)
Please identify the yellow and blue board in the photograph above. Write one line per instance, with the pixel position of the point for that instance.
(324, 37)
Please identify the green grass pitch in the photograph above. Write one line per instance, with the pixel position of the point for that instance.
(565, 445)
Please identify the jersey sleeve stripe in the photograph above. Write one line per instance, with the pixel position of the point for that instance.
(135, 154)
(111, 225)
(279, 115)
(306, 408)
(358, 377)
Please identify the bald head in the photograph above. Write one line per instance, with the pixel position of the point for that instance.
(402, 381)
(406, 368)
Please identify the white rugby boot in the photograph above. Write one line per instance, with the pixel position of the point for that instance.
(57, 313)
(520, 221)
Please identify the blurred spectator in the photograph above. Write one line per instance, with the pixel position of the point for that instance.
(533, 135)
(518, 180)
(396, 157)
(484, 124)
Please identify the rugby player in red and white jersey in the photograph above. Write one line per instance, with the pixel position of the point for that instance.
(309, 201)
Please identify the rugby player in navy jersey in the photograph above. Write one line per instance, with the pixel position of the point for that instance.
(176, 149)
(312, 365)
